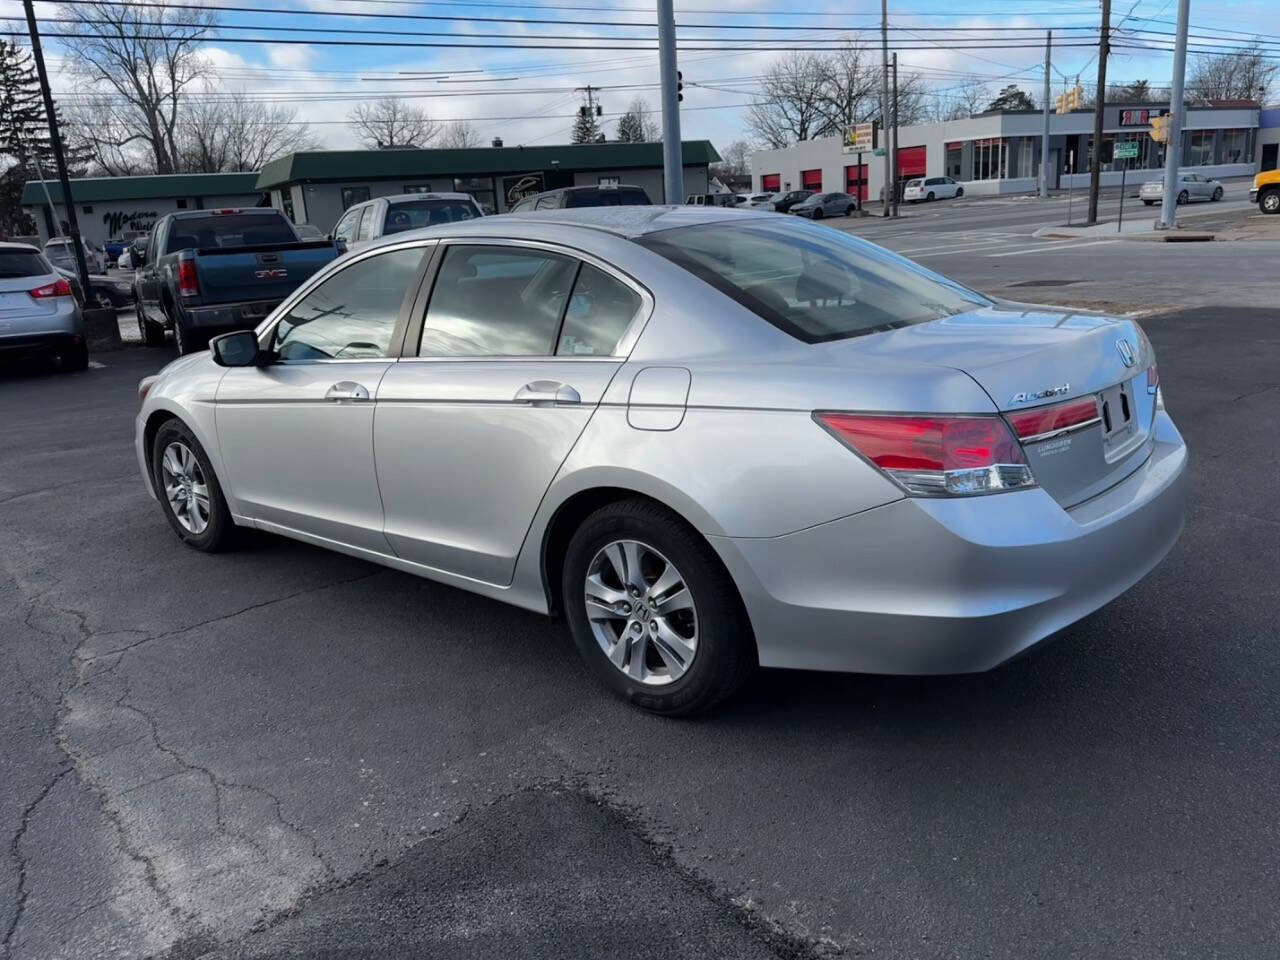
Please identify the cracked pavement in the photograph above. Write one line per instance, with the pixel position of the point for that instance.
(283, 752)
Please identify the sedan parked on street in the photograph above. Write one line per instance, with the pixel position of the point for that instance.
(821, 205)
(783, 202)
(1191, 186)
(686, 432)
(931, 188)
(39, 315)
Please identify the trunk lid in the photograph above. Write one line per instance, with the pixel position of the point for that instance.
(1026, 357)
(267, 272)
(16, 300)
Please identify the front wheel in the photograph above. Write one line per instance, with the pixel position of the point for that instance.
(1217, 195)
(1269, 202)
(1183, 198)
(653, 611)
(1149, 203)
(817, 213)
(848, 211)
(188, 489)
(959, 192)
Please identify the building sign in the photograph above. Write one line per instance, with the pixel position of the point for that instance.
(516, 189)
(859, 137)
(1135, 118)
(138, 221)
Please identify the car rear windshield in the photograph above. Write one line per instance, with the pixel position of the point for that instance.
(23, 263)
(810, 281)
(607, 197)
(228, 230)
(412, 214)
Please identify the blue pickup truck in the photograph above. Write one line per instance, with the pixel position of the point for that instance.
(211, 271)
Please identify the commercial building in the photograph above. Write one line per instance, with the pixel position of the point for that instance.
(111, 208)
(316, 187)
(999, 152)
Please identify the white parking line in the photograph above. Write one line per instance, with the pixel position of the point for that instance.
(1048, 247)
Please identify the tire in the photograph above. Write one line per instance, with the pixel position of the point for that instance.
(1217, 195)
(849, 210)
(722, 650)
(1149, 203)
(1183, 198)
(930, 198)
(1269, 202)
(152, 333)
(74, 357)
(218, 529)
(187, 340)
(817, 213)
(959, 192)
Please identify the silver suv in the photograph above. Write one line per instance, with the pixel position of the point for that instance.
(38, 310)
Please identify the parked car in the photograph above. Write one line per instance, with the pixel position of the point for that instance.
(104, 290)
(783, 202)
(61, 253)
(758, 201)
(821, 205)
(1191, 186)
(711, 200)
(690, 441)
(1265, 191)
(208, 271)
(134, 254)
(39, 315)
(621, 195)
(366, 222)
(113, 249)
(931, 188)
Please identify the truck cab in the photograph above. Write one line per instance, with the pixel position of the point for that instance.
(1265, 191)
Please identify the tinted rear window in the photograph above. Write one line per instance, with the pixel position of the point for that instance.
(812, 282)
(411, 214)
(620, 197)
(228, 230)
(23, 263)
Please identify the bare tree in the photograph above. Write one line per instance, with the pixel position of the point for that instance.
(735, 160)
(459, 135)
(637, 124)
(789, 108)
(1245, 74)
(234, 132)
(388, 123)
(850, 91)
(963, 100)
(100, 129)
(141, 61)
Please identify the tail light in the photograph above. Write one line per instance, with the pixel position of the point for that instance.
(936, 456)
(59, 288)
(188, 285)
(1040, 423)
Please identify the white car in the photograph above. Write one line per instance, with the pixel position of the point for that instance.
(383, 216)
(757, 201)
(931, 188)
(1191, 186)
(62, 254)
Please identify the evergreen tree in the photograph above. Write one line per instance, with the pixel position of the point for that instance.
(24, 136)
(585, 128)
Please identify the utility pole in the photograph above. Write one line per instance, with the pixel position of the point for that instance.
(884, 101)
(1044, 138)
(1100, 99)
(895, 133)
(73, 228)
(1173, 146)
(672, 156)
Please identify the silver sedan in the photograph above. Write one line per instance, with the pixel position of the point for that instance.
(1190, 186)
(707, 439)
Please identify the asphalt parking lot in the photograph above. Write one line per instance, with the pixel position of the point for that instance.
(283, 752)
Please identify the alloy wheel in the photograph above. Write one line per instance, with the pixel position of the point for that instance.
(1271, 202)
(641, 612)
(185, 487)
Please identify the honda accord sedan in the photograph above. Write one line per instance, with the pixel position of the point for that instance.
(707, 439)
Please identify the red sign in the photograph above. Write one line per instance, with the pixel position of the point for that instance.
(1135, 118)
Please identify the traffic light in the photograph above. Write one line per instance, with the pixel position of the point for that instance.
(1160, 128)
(679, 86)
(1073, 99)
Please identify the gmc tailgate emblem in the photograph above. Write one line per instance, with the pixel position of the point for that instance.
(277, 274)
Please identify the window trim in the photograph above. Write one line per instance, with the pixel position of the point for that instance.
(266, 329)
(626, 343)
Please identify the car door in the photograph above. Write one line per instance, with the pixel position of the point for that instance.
(296, 435)
(149, 277)
(518, 343)
(347, 226)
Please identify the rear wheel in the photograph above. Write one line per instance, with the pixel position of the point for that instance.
(152, 333)
(188, 489)
(1269, 202)
(1183, 198)
(848, 211)
(1217, 194)
(817, 213)
(930, 196)
(653, 611)
(186, 339)
(1149, 203)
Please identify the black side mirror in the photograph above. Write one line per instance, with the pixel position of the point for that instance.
(237, 349)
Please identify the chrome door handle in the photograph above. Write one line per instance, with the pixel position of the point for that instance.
(346, 390)
(546, 392)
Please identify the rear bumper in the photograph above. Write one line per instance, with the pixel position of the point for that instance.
(229, 316)
(43, 342)
(936, 586)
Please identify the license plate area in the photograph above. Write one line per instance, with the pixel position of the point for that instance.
(1119, 414)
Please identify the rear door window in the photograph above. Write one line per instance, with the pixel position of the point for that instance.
(600, 310)
(228, 230)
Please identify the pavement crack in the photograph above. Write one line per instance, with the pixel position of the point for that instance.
(15, 851)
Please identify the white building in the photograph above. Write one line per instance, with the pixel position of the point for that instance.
(999, 152)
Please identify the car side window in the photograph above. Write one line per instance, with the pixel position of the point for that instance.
(353, 313)
(366, 222)
(545, 203)
(600, 310)
(346, 228)
(497, 301)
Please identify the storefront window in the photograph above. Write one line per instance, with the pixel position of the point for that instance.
(479, 187)
(955, 152)
(990, 159)
(1237, 146)
(353, 195)
(286, 204)
(1200, 150)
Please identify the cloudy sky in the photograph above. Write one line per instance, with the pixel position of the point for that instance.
(511, 69)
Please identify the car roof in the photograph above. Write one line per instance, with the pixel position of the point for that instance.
(9, 245)
(424, 195)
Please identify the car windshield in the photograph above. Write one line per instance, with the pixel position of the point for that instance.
(411, 214)
(606, 197)
(22, 263)
(812, 282)
(228, 230)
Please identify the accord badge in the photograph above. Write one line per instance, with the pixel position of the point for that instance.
(1029, 396)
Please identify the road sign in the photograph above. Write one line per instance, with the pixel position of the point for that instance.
(859, 137)
(1126, 150)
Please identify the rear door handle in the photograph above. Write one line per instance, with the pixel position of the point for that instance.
(347, 390)
(546, 393)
